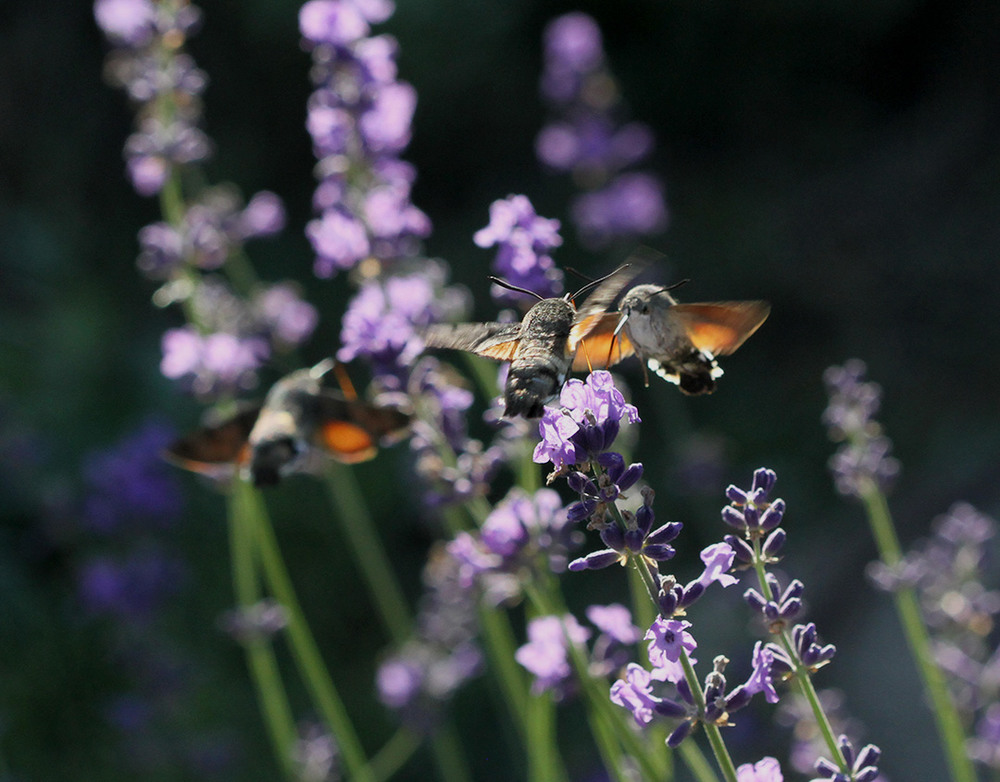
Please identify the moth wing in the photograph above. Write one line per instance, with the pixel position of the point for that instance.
(590, 314)
(349, 430)
(720, 327)
(217, 448)
(492, 340)
(601, 347)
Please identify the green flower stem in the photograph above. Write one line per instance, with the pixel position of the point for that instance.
(946, 716)
(367, 552)
(394, 753)
(303, 646)
(359, 529)
(271, 695)
(722, 758)
(803, 676)
(544, 763)
(696, 762)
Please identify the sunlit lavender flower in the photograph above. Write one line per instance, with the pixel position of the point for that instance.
(949, 573)
(807, 649)
(524, 533)
(359, 119)
(863, 767)
(635, 693)
(587, 139)
(546, 654)
(779, 606)
(765, 770)
(214, 363)
(586, 422)
(636, 538)
(148, 64)
(667, 639)
(381, 320)
(863, 460)
(524, 241)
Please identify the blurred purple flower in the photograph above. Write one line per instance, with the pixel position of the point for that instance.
(132, 588)
(128, 22)
(546, 653)
(286, 316)
(129, 484)
(614, 620)
(213, 363)
(630, 205)
(765, 770)
(863, 461)
(523, 241)
(587, 139)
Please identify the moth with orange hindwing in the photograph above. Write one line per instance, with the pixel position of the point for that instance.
(677, 341)
(542, 346)
(299, 420)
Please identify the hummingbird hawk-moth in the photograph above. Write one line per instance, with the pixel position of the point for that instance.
(541, 347)
(677, 341)
(299, 419)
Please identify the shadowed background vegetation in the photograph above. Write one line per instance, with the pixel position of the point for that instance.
(838, 159)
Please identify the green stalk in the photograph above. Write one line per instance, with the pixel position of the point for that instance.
(367, 552)
(946, 716)
(271, 696)
(303, 646)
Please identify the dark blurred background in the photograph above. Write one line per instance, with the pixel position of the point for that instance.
(839, 159)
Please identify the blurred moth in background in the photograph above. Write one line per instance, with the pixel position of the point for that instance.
(541, 347)
(679, 342)
(299, 421)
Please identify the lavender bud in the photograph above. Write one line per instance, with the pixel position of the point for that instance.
(773, 544)
(680, 733)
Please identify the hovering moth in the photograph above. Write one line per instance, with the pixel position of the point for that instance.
(298, 420)
(678, 342)
(541, 347)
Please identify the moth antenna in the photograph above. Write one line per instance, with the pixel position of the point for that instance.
(579, 274)
(595, 283)
(677, 284)
(508, 286)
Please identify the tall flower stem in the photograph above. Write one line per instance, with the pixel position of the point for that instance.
(358, 527)
(946, 716)
(303, 646)
(271, 695)
(803, 677)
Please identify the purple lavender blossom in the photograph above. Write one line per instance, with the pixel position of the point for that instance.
(213, 363)
(286, 316)
(585, 424)
(668, 638)
(863, 767)
(315, 754)
(636, 538)
(718, 558)
(523, 534)
(381, 320)
(524, 241)
(587, 139)
(765, 770)
(614, 620)
(546, 653)
(863, 461)
(634, 693)
(761, 679)
(359, 117)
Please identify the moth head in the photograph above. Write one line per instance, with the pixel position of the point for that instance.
(272, 458)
